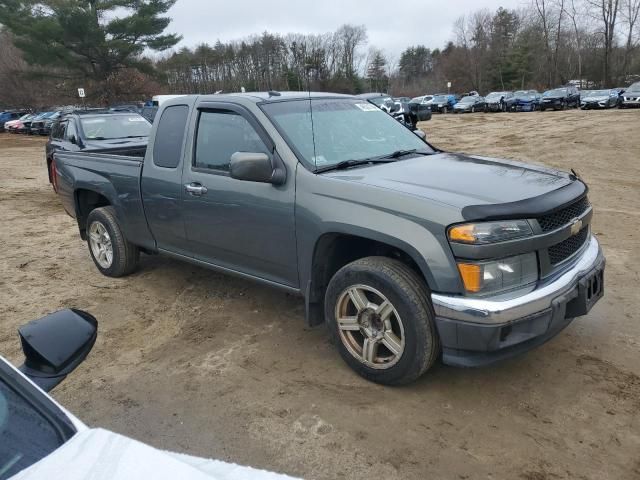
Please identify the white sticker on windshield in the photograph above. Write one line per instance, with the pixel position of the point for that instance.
(367, 107)
(137, 119)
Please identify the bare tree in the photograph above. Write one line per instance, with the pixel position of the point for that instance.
(629, 13)
(607, 12)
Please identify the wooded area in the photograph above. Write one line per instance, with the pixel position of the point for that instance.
(548, 43)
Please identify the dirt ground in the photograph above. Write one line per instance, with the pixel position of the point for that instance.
(202, 363)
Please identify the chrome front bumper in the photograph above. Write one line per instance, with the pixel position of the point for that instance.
(488, 311)
(479, 331)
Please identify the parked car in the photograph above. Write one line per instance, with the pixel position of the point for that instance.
(443, 103)
(523, 101)
(496, 101)
(28, 125)
(118, 133)
(422, 100)
(560, 98)
(410, 254)
(599, 99)
(9, 116)
(381, 100)
(631, 96)
(43, 125)
(13, 125)
(471, 104)
(41, 439)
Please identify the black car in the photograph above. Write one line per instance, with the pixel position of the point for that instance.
(472, 104)
(560, 98)
(496, 101)
(121, 133)
(404, 112)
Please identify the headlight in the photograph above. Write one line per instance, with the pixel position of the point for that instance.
(500, 275)
(440, 105)
(490, 232)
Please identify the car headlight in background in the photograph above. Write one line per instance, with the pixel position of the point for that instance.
(498, 276)
(489, 232)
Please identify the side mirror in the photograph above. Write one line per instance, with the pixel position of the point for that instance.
(255, 167)
(420, 133)
(55, 345)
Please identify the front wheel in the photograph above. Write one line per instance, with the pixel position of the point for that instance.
(111, 252)
(379, 313)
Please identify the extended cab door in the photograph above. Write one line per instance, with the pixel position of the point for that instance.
(244, 226)
(161, 182)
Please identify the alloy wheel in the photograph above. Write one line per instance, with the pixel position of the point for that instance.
(370, 327)
(100, 243)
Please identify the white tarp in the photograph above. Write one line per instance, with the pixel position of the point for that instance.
(97, 454)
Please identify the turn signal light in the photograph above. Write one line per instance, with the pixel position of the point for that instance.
(470, 274)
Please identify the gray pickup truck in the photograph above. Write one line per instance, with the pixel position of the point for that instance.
(408, 253)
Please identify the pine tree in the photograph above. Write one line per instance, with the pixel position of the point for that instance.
(92, 39)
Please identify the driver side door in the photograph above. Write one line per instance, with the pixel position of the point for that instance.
(244, 226)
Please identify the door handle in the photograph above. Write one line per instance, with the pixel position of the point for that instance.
(195, 189)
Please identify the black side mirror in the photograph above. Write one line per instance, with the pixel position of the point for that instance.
(55, 345)
(255, 167)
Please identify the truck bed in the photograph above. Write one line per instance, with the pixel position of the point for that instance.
(114, 177)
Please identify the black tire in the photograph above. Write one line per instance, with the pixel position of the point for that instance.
(410, 297)
(125, 254)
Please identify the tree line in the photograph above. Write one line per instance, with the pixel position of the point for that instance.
(58, 44)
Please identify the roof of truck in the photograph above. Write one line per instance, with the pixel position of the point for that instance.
(269, 96)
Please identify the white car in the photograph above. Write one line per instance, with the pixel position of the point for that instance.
(39, 439)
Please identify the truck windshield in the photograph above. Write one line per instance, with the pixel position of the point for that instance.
(340, 130)
(109, 127)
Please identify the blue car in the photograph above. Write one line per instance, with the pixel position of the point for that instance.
(443, 103)
(524, 101)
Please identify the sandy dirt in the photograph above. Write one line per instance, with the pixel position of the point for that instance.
(210, 365)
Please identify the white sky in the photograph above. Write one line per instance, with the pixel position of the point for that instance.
(391, 26)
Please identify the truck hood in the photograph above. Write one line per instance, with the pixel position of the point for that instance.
(460, 180)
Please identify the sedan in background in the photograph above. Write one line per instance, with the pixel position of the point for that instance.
(443, 103)
(599, 99)
(631, 96)
(523, 101)
(43, 126)
(13, 125)
(560, 98)
(496, 101)
(470, 104)
(9, 116)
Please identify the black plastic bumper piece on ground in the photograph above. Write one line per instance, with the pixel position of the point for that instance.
(467, 344)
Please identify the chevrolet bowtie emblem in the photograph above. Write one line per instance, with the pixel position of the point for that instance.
(576, 226)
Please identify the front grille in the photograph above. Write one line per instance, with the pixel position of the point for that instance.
(563, 250)
(563, 217)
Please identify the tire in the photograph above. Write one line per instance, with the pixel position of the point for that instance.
(445, 110)
(124, 255)
(409, 325)
(473, 109)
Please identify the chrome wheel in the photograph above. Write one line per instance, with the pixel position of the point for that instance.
(370, 327)
(100, 243)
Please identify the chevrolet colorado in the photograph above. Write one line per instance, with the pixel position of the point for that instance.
(409, 253)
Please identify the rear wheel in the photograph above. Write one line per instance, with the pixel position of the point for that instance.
(379, 313)
(111, 252)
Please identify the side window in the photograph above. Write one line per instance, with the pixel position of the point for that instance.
(221, 133)
(26, 435)
(167, 146)
(71, 131)
(59, 130)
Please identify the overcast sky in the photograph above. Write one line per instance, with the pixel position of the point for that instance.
(392, 26)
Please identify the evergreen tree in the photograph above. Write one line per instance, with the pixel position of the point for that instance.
(89, 38)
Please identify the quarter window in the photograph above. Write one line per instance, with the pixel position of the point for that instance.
(167, 146)
(221, 133)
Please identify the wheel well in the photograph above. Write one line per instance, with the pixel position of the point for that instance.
(86, 201)
(333, 251)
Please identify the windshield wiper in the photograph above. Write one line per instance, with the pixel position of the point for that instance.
(402, 153)
(351, 163)
(135, 136)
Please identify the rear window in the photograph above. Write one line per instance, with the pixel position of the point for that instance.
(110, 127)
(167, 146)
